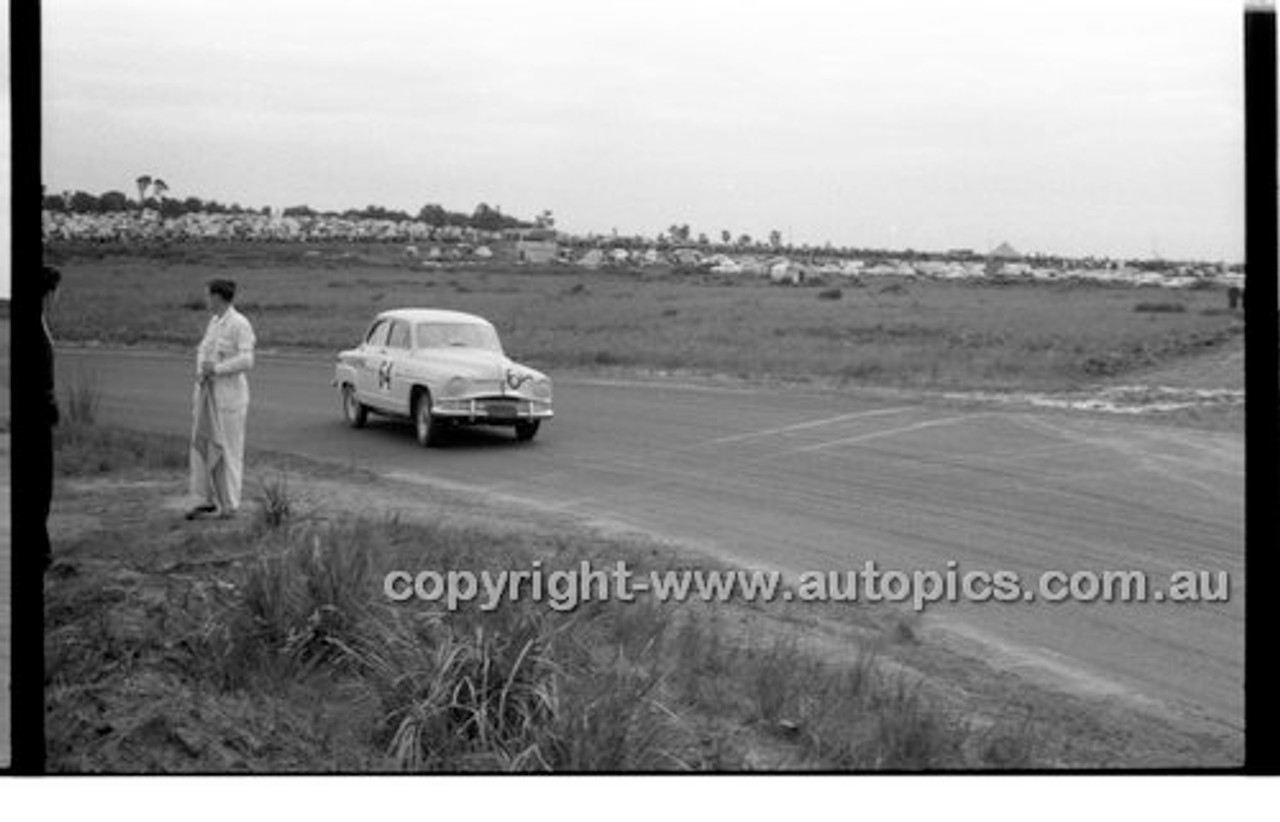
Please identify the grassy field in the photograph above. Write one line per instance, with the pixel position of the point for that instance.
(880, 331)
(266, 644)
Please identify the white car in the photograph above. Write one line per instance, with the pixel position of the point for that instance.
(439, 368)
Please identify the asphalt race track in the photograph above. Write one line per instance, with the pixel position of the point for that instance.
(825, 481)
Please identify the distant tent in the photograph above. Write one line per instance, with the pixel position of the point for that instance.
(1004, 251)
(592, 259)
(999, 256)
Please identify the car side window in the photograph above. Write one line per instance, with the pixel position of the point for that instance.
(378, 334)
(399, 335)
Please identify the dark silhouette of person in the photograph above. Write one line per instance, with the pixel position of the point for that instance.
(47, 397)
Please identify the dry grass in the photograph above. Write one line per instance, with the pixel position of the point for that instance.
(83, 396)
(91, 449)
(906, 333)
(243, 647)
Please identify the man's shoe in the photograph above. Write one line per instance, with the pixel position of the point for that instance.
(200, 511)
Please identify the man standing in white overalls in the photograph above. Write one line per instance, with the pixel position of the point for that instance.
(221, 404)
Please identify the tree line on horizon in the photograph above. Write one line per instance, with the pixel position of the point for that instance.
(151, 195)
(152, 191)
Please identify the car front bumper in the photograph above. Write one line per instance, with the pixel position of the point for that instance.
(492, 410)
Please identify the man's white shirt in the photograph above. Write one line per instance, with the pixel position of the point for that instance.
(228, 343)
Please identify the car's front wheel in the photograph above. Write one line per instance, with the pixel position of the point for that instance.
(353, 411)
(526, 431)
(426, 427)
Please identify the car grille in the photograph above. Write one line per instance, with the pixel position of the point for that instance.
(504, 409)
(485, 388)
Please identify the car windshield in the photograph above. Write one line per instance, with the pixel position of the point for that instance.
(457, 335)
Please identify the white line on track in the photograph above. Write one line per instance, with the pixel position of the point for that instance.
(800, 426)
(889, 432)
(660, 458)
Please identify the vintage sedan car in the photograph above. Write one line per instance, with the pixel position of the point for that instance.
(439, 368)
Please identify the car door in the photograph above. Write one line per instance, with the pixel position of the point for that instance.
(395, 365)
(368, 366)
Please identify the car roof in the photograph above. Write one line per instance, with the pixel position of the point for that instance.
(439, 315)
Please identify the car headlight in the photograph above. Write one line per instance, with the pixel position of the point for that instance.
(542, 389)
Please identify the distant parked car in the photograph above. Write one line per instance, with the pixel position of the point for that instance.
(439, 368)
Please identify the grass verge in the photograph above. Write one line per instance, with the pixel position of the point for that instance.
(902, 333)
(267, 644)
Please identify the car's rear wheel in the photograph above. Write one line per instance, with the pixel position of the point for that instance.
(353, 411)
(426, 427)
(526, 431)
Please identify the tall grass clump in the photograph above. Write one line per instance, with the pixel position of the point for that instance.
(83, 397)
(277, 506)
(297, 605)
(483, 700)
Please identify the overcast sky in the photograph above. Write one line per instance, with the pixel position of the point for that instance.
(1071, 127)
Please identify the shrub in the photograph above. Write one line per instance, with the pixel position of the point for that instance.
(830, 294)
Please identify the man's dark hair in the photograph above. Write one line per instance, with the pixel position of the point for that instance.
(49, 279)
(226, 289)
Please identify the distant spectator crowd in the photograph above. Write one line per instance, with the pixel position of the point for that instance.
(431, 243)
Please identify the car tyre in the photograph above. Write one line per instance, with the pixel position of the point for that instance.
(354, 412)
(526, 431)
(425, 427)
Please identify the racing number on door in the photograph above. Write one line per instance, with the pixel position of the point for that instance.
(384, 376)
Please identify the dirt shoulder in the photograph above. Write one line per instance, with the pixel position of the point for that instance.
(125, 555)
